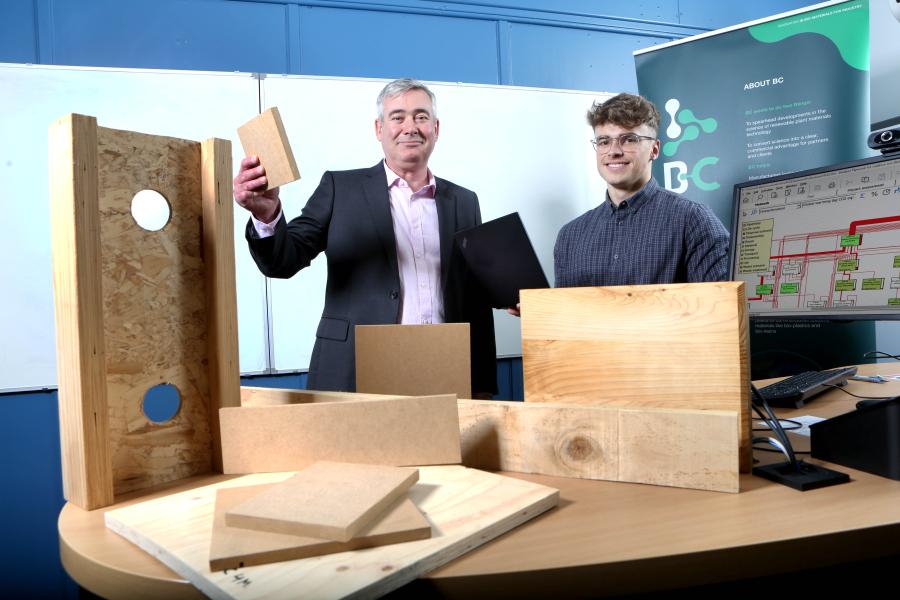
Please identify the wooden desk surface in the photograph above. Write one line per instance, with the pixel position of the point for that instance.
(604, 538)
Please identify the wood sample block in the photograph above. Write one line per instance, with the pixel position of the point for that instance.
(264, 136)
(678, 346)
(136, 307)
(466, 508)
(328, 500)
(233, 547)
(414, 360)
(339, 427)
(681, 448)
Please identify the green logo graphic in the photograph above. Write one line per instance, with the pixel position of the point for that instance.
(685, 126)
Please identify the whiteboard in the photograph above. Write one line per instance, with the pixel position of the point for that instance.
(520, 149)
(189, 105)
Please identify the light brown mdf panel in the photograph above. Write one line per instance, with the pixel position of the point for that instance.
(414, 360)
(678, 346)
(344, 427)
(330, 500)
(233, 547)
(137, 308)
(466, 508)
(679, 448)
(264, 136)
(258, 396)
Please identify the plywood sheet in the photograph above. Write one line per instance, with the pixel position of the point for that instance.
(682, 448)
(395, 431)
(414, 360)
(679, 346)
(264, 136)
(233, 547)
(327, 499)
(466, 508)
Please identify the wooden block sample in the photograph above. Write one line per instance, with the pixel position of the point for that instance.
(678, 346)
(696, 449)
(398, 431)
(233, 547)
(414, 360)
(264, 136)
(327, 499)
(466, 508)
(136, 308)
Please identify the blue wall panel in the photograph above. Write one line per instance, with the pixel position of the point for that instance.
(364, 43)
(171, 34)
(18, 32)
(575, 59)
(649, 10)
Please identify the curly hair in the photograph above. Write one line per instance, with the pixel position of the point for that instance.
(624, 110)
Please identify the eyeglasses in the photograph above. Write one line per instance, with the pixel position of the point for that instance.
(628, 142)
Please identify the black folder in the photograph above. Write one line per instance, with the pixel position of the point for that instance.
(502, 258)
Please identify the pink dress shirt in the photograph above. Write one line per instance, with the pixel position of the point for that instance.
(418, 240)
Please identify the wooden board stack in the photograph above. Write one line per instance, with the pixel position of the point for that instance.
(675, 346)
(326, 508)
(465, 508)
(327, 500)
(233, 547)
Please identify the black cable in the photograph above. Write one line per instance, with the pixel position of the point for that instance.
(772, 422)
(837, 387)
(796, 425)
(779, 451)
(880, 354)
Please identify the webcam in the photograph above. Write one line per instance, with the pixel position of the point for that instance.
(886, 140)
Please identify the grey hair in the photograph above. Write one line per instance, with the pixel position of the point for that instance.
(401, 86)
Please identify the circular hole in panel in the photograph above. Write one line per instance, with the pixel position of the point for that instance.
(150, 210)
(161, 403)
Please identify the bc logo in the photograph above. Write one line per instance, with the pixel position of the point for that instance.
(676, 173)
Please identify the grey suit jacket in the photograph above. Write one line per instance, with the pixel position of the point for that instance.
(349, 218)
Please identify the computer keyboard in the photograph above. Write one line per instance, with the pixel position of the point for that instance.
(797, 389)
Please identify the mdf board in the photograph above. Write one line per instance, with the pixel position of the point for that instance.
(136, 308)
(466, 508)
(679, 346)
(259, 396)
(393, 431)
(414, 360)
(233, 547)
(680, 448)
(328, 500)
(264, 137)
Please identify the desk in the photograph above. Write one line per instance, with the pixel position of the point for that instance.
(604, 538)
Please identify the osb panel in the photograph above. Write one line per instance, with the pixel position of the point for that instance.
(154, 306)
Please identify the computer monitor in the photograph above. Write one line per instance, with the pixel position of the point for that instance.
(821, 244)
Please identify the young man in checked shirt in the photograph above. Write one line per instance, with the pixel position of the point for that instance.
(642, 233)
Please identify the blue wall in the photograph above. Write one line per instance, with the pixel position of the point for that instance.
(576, 44)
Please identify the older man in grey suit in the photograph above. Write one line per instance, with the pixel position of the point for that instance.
(387, 232)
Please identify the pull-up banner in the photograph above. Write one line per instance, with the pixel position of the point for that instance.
(761, 99)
